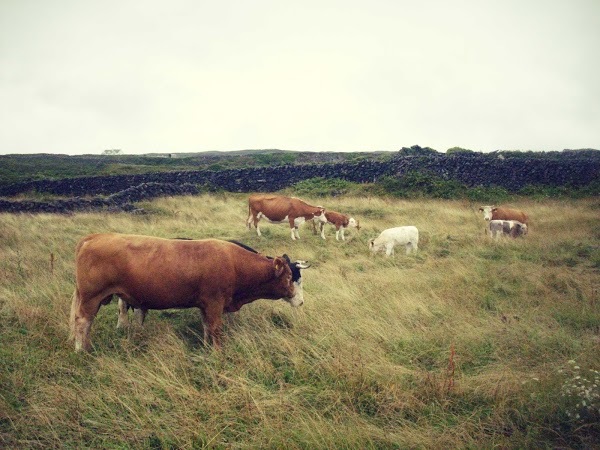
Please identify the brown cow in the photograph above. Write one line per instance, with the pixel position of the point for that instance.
(341, 223)
(279, 209)
(495, 213)
(153, 273)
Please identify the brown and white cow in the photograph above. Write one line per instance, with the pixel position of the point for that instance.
(280, 209)
(510, 228)
(153, 273)
(500, 213)
(341, 223)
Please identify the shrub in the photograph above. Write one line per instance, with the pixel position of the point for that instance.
(421, 184)
(321, 187)
(458, 150)
(492, 194)
(268, 159)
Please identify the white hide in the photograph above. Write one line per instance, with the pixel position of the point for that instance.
(497, 228)
(487, 212)
(298, 298)
(407, 236)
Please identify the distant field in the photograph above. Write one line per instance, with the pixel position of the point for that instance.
(466, 344)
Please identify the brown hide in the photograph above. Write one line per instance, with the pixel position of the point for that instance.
(276, 207)
(154, 273)
(337, 219)
(509, 214)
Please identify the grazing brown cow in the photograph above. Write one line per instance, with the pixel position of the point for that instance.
(140, 313)
(153, 273)
(341, 223)
(279, 209)
(495, 213)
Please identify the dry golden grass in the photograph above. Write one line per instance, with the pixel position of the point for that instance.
(363, 364)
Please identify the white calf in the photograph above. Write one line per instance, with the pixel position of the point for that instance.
(407, 236)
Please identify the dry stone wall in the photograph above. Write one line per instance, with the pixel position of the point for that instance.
(119, 192)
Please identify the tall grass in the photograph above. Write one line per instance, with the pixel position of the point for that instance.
(459, 345)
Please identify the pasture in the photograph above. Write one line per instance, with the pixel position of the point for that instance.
(468, 343)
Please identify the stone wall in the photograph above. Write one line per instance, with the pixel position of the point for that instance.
(476, 169)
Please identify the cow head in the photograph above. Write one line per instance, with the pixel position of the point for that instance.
(487, 211)
(296, 295)
(372, 246)
(320, 214)
(354, 223)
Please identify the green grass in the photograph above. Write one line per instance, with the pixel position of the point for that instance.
(458, 346)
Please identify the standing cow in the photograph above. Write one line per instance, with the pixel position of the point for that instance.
(279, 209)
(153, 273)
(407, 236)
(500, 213)
(340, 221)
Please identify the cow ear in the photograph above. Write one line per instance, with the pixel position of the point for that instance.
(279, 265)
(481, 208)
(286, 257)
(494, 209)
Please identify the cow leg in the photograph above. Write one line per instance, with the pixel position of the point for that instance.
(215, 331)
(83, 312)
(389, 249)
(204, 328)
(123, 320)
(250, 219)
(212, 324)
(322, 226)
(82, 334)
(140, 315)
(294, 224)
(256, 219)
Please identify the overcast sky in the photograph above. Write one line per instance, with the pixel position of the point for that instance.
(147, 76)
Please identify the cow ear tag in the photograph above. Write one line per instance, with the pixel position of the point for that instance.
(277, 264)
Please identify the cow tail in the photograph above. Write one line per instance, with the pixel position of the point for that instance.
(75, 305)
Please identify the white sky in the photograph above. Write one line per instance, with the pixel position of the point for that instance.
(151, 76)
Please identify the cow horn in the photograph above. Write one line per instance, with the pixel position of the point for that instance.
(302, 264)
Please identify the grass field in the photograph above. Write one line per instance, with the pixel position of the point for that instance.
(470, 343)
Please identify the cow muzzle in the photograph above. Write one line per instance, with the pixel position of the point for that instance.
(297, 299)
